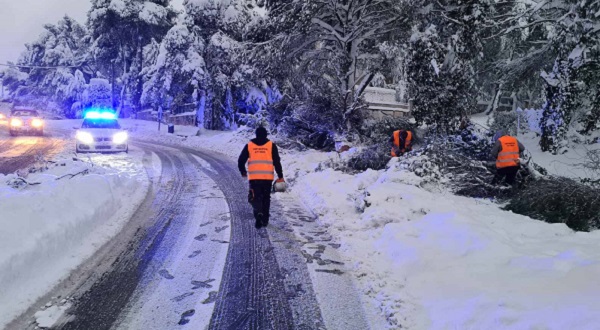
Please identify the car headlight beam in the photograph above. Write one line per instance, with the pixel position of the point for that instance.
(37, 123)
(120, 138)
(85, 137)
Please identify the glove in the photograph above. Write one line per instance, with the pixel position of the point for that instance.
(280, 180)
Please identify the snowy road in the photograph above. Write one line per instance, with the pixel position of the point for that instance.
(22, 151)
(191, 256)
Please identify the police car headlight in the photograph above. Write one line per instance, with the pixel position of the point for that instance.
(85, 137)
(120, 138)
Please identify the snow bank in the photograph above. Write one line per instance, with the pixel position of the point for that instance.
(48, 229)
(438, 261)
(431, 260)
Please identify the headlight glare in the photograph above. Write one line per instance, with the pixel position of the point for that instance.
(16, 122)
(120, 138)
(37, 123)
(85, 137)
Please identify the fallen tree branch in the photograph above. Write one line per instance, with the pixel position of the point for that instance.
(71, 176)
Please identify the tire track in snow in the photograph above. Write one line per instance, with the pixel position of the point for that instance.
(100, 306)
(255, 287)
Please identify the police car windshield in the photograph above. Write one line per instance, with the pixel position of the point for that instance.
(101, 123)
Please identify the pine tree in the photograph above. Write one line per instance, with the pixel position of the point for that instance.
(572, 86)
(443, 50)
(51, 65)
(179, 74)
(223, 26)
(120, 31)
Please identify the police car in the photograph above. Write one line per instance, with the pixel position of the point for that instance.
(101, 132)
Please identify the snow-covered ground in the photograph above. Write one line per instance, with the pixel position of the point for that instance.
(71, 207)
(426, 259)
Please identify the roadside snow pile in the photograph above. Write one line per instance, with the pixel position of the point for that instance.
(434, 260)
(48, 317)
(54, 219)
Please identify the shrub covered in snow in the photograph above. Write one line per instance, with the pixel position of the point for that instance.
(559, 200)
(310, 123)
(381, 130)
(461, 161)
(373, 157)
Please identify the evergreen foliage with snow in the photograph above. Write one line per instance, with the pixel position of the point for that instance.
(63, 45)
(440, 67)
(303, 66)
(120, 31)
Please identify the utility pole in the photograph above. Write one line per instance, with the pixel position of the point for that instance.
(159, 116)
(112, 83)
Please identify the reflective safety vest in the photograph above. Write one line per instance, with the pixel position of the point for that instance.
(509, 152)
(406, 146)
(260, 163)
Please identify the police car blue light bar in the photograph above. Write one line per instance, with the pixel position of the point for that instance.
(100, 115)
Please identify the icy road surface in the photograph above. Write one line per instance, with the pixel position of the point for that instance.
(21, 151)
(191, 258)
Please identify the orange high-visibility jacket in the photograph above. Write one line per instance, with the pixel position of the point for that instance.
(509, 153)
(260, 162)
(407, 143)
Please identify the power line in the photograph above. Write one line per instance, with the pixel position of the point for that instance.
(40, 67)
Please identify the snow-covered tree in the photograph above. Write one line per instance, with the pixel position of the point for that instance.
(179, 72)
(549, 46)
(98, 94)
(121, 30)
(324, 53)
(573, 88)
(443, 49)
(52, 65)
(223, 26)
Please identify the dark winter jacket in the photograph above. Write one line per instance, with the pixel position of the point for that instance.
(245, 155)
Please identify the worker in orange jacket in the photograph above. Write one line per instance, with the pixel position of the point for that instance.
(263, 160)
(401, 142)
(506, 152)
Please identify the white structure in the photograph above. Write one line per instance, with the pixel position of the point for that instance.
(382, 103)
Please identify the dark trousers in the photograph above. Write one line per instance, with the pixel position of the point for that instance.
(510, 173)
(260, 191)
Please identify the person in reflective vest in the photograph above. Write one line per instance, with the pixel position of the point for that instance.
(506, 152)
(401, 142)
(263, 160)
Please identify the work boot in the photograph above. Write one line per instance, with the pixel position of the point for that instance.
(259, 220)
